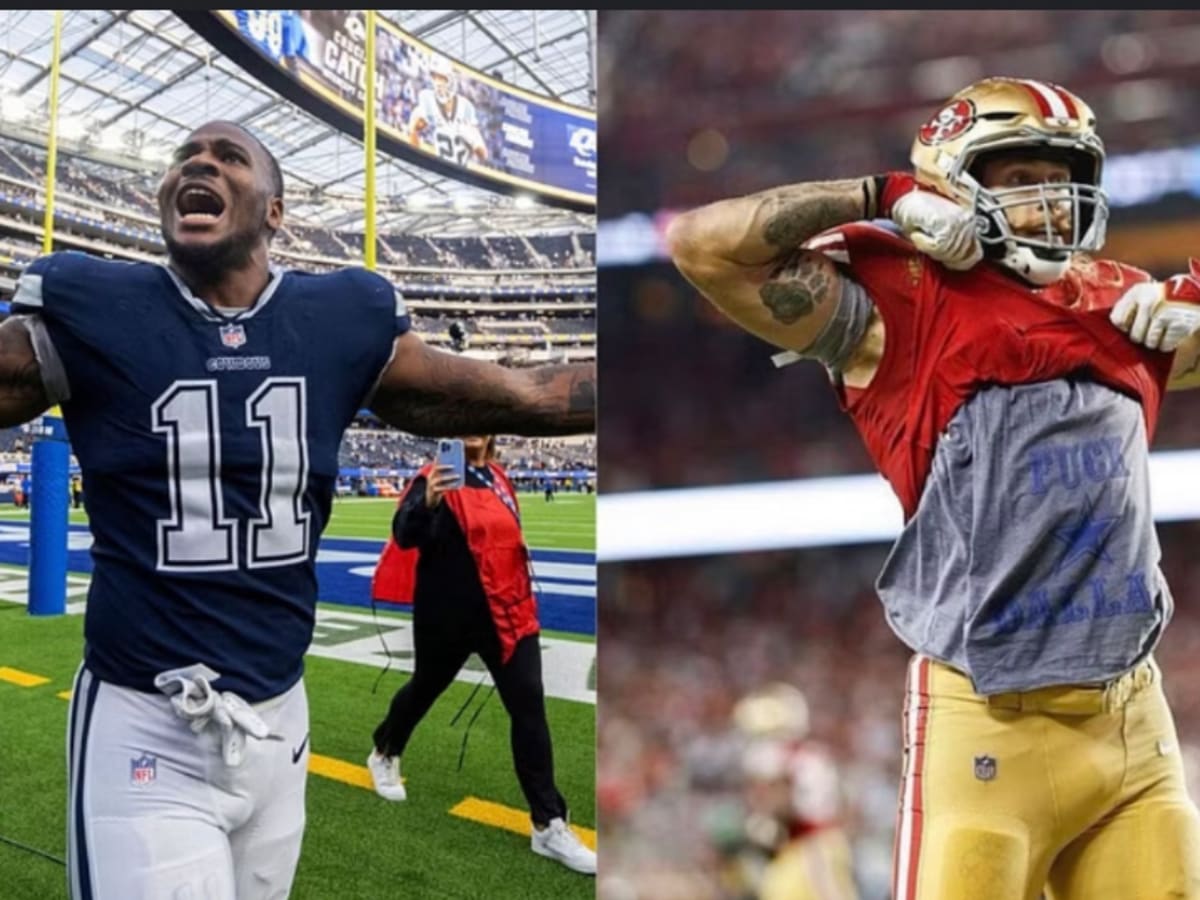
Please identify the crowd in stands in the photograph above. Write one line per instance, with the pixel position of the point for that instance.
(684, 639)
(377, 448)
(119, 206)
(368, 445)
(114, 209)
(14, 445)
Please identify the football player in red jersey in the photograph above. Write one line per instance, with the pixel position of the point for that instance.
(793, 799)
(1007, 384)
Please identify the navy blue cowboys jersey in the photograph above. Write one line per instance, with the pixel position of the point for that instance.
(209, 447)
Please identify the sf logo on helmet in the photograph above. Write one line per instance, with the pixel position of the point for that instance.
(948, 123)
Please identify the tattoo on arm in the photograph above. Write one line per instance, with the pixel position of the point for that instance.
(798, 212)
(455, 395)
(578, 381)
(796, 287)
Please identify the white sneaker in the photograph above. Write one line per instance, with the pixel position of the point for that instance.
(385, 773)
(557, 841)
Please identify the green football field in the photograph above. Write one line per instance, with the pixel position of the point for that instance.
(462, 833)
(568, 522)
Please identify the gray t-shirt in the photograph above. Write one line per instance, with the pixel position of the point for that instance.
(1032, 558)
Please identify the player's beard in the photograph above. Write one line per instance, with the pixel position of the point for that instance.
(210, 261)
(226, 255)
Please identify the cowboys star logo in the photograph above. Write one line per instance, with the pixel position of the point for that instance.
(949, 123)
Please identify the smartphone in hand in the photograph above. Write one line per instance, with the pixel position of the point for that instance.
(450, 453)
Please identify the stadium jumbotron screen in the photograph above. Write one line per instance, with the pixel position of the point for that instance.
(432, 110)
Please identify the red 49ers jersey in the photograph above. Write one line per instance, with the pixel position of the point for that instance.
(947, 334)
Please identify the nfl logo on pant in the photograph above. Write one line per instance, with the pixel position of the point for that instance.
(143, 770)
(985, 768)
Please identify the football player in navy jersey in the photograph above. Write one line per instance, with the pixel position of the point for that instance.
(206, 399)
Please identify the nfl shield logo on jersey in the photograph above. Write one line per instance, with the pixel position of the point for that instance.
(143, 770)
(985, 768)
(233, 335)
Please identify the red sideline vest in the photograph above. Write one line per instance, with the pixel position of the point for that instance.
(950, 333)
(501, 559)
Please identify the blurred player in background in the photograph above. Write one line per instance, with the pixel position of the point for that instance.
(1007, 385)
(444, 119)
(791, 845)
(229, 382)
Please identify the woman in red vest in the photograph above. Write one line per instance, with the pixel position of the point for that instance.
(458, 553)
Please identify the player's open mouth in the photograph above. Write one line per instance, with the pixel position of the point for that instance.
(198, 205)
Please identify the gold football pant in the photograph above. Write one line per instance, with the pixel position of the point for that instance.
(818, 866)
(1076, 791)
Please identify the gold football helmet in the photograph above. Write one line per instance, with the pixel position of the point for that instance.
(775, 711)
(1017, 116)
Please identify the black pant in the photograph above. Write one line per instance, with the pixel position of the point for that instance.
(443, 641)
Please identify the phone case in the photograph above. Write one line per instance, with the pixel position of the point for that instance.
(450, 453)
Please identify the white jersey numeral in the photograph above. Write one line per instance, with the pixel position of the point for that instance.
(280, 535)
(453, 147)
(198, 536)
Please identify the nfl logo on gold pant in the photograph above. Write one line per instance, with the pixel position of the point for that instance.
(985, 768)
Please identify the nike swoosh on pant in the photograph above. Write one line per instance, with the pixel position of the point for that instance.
(299, 751)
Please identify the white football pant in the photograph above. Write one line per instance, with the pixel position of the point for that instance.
(156, 813)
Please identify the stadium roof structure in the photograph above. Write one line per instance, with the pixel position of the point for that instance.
(134, 82)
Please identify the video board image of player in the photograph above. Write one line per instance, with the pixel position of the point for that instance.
(445, 119)
(427, 101)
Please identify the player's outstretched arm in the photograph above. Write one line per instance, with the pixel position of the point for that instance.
(430, 392)
(744, 255)
(22, 395)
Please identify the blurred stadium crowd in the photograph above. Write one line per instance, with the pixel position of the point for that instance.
(689, 399)
(839, 93)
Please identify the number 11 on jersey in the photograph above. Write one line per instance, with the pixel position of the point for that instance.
(198, 536)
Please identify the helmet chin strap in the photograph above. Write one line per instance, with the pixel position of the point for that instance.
(1031, 267)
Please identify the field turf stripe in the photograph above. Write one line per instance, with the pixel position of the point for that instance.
(517, 820)
(22, 679)
(340, 770)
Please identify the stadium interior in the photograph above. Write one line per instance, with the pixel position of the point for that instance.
(501, 278)
(506, 274)
(799, 96)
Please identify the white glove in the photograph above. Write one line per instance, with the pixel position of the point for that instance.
(939, 228)
(1161, 315)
